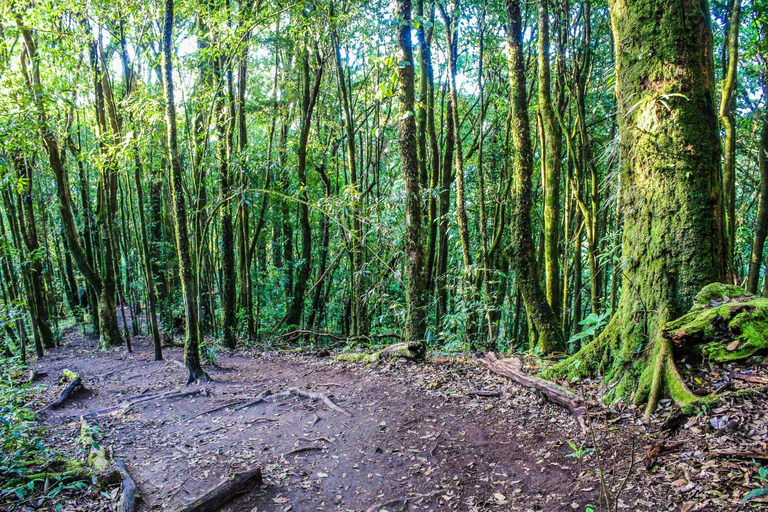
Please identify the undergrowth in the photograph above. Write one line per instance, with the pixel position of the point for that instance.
(31, 472)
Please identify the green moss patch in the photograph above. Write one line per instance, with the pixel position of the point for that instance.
(723, 324)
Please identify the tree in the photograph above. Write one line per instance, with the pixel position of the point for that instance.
(192, 343)
(540, 314)
(415, 325)
(674, 238)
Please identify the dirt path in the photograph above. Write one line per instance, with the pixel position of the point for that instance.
(414, 434)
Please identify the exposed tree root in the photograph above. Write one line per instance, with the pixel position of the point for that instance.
(396, 505)
(662, 374)
(130, 495)
(319, 396)
(75, 385)
(220, 495)
(511, 368)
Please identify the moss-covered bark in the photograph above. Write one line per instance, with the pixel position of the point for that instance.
(416, 292)
(674, 241)
(540, 314)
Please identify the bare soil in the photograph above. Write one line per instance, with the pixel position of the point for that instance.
(416, 440)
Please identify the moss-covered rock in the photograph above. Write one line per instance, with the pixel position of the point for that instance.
(715, 294)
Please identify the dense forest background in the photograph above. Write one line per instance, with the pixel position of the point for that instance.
(235, 172)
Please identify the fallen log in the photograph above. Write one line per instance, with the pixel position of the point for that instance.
(130, 494)
(217, 497)
(319, 396)
(76, 384)
(512, 369)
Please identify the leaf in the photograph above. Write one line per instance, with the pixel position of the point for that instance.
(733, 345)
(755, 493)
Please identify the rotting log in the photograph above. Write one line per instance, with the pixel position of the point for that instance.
(512, 369)
(225, 492)
(130, 495)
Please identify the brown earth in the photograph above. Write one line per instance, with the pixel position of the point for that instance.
(414, 434)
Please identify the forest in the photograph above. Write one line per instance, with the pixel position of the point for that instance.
(376, 256)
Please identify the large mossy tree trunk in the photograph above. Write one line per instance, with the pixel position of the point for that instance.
(674, 238)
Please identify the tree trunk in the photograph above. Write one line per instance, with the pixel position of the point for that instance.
(674, 239)
(415, 286)
(309, 99)
(543, 319)
(192, 344)
(728, 120)
(761, 223)
(551, 150)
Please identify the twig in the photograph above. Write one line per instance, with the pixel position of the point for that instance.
(304, 449)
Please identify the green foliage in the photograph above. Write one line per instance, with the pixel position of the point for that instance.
(762, 477)
(593, 324)
(579, 451)
(29, 469)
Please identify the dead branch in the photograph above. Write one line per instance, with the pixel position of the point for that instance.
(130, 494)
(304, 449)
(755, 379)
(217, 497)
(512, 369)
(483, 393)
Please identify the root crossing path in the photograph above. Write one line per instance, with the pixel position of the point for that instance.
(401, 437)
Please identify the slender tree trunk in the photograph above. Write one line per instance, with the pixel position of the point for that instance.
(33, 259)
(728, 120)
(224, 154)
(359, 317)
(310, 92)
(550, 337)
(761, 223)
(192, 345)
(551, 151)
(416, 292)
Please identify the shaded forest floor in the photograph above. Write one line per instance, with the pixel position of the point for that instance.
(415, 434)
